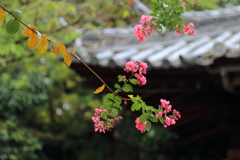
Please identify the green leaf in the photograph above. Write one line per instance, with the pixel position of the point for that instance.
(151, 108)
(153, 14)
(138, 98)
(110, 96)
(153, 119)
(181, 9)
(148, 125)
(118, 100)
(113, 112)
(104, 115)
(120, 79)
(133, 81)
(117, 105)
(117, 86)
(105, 107)
(144, 116)
(12, 26)
(17, 13)
(108, 101)
(161, 120)
(135, 106)
(127, 88)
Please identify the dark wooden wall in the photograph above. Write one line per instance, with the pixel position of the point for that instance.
(208, 99)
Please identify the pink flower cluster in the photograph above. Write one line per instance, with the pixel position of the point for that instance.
(103, 124)
(141, 67)
(167, 108)
(188, 29)
(142, 31)
(140, 125)
(98, 124)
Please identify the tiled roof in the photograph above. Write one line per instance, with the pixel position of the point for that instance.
(218, 35)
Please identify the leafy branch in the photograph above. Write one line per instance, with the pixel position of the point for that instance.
(105, 117)
(16, 14)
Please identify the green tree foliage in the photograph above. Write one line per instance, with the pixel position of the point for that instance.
(215, 4)
(207, 4)
(42, 102)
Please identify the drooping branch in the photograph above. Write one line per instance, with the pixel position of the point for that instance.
(74, 55)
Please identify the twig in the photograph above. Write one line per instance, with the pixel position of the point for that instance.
(74, 55)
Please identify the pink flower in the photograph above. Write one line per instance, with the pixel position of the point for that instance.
(99, 125)
(142, 67)
(177, 32)
(192, 32)
(191, 25)
(167, 121)
(145, 19)
(188, 29)
(99, 111)
(138, 66)
(141, 80)
(131, 66)
(160, 114)
(95, 120)
(140, 125)
(143, 31)
(154, 23)
(176, 114)
(164, 103)
(139, 31)
(165, 110)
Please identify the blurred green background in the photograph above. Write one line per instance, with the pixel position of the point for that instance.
(45, 113)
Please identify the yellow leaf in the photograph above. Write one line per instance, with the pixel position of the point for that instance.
(130, 96)
(63, 49)
(57, 50)
(67, 58)
(27, 32)
(43, 44)
(100, 89)
(32, 40)
(1, 14)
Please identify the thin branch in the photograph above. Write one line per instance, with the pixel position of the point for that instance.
(17, 18)
(21, 21)
(74, 55)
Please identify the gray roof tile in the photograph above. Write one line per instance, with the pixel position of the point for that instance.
(215, 38)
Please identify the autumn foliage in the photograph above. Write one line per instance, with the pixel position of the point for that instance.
(35, 38)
